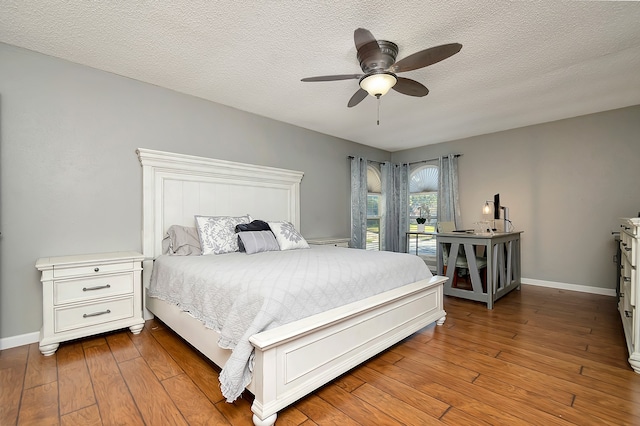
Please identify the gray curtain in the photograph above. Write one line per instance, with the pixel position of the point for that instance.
(395, 201)
(359, 202)
(449, 204)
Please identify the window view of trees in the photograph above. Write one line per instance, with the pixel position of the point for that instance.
(374, 209)
(423, 205)
(373, 222)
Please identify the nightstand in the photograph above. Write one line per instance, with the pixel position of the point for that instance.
(89, 294)
(338, 242)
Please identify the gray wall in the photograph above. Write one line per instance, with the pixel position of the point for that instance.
(566, 183)
(70, 181)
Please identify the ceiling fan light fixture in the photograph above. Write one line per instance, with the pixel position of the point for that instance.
(378, 84)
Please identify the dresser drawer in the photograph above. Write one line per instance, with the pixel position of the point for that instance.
(628, 247)
(90, 314)
(630, 228)
(74, 271)
(67, 291)
(628, 277)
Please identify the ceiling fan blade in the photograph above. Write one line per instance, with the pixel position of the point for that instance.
(410, 87)
(426, 57)
(367, 47)
(362, 37)
(333, 77)
(357, 97)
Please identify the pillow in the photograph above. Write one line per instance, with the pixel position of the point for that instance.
(181, 241)
(258, 241)
(255, 225)
(217, 233)
(287, 236)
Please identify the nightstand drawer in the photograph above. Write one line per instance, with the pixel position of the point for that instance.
(74, 271)
(93, 313)
(91, 288)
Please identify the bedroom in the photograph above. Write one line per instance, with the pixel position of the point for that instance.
(70, 177)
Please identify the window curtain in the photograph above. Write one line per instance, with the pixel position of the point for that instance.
(449, 204)
(358, 202)
(395, 199)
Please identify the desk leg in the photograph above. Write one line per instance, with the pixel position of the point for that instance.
(491, 285)
(474, 273)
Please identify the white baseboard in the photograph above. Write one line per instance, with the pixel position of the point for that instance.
(571, 287)
(23, 339)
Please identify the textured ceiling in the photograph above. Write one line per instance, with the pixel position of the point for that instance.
(522, 63)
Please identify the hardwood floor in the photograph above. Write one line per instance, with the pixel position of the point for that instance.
(541, 357)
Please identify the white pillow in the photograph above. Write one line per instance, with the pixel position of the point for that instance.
(287, 236)
(217, 233)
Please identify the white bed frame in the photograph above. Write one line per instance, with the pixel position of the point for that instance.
(294, 359)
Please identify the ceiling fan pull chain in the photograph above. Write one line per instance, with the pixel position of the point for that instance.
(378, 96)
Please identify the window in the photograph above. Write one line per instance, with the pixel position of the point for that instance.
(374, 212)
(423, 202)
(423, 196)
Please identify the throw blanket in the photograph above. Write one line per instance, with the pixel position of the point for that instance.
(240, 295)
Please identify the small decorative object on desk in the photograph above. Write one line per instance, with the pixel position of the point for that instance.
(421, 220)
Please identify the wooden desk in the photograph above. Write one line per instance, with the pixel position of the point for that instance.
(503, 263)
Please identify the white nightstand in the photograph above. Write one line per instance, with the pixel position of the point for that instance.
(89, 294)
(338, 242)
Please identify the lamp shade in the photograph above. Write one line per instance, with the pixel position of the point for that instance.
(378, 84)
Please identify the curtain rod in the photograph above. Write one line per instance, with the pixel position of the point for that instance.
(432, 159)
(415, 162)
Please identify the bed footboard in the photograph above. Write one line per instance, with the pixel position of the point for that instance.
(295, 359)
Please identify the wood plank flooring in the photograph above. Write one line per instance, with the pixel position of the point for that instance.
(541, 357)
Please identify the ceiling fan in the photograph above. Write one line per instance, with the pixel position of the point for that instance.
(378, 62)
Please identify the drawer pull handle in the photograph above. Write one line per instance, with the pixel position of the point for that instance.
(95, 314)
(628, 314)
(98, 287)
(624, 244)
(627, 279)
(96, 270)
(627, 248)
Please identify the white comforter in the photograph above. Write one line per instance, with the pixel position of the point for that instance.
(240, 295)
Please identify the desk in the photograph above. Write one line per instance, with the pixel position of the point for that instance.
(503, 263)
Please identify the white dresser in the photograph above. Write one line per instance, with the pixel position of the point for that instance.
(628, 303)
(89, 294)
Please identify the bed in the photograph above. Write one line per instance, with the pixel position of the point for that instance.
(290, 360)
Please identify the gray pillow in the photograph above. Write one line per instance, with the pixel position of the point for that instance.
(258, 241)
(181, 241)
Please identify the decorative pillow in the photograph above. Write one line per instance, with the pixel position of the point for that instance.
(181, 241)
(217, 233)
(255, 225)
(287, 236)
(258, 241)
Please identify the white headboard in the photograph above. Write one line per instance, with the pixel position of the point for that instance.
(175, 187)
